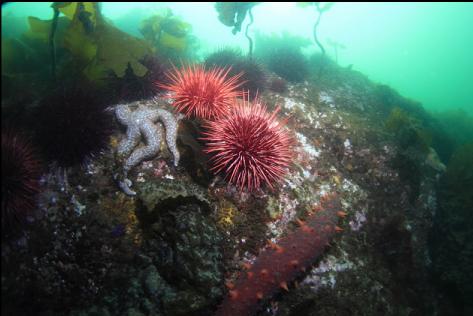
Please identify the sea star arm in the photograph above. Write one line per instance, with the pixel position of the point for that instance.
(170, 124)
(132, 139)
(125, 186)
(153, 135)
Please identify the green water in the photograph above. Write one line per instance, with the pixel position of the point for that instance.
(423, 50)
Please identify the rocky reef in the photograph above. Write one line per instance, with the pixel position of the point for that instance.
(181, 245)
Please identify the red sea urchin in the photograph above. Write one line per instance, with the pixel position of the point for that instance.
(21, 170)
(201, 93)
(249, 145)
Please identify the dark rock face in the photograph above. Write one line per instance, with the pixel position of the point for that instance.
(451, 236)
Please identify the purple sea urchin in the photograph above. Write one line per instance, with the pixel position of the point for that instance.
(72, 126)
(21, 169)
(254, 78)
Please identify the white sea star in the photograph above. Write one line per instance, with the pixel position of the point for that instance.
(144, 121)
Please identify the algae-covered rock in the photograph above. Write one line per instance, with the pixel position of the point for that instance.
(152, 280)
(192, 244)
(184, 243)
(152, 193)
(193, 158)
(92, 311)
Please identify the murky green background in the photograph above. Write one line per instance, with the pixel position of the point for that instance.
(421, 49)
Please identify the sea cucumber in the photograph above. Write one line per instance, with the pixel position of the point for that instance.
(281, 263)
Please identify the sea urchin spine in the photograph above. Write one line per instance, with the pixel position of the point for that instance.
(21, 170)
(200, 93)
(73, 126)
(250, 145)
